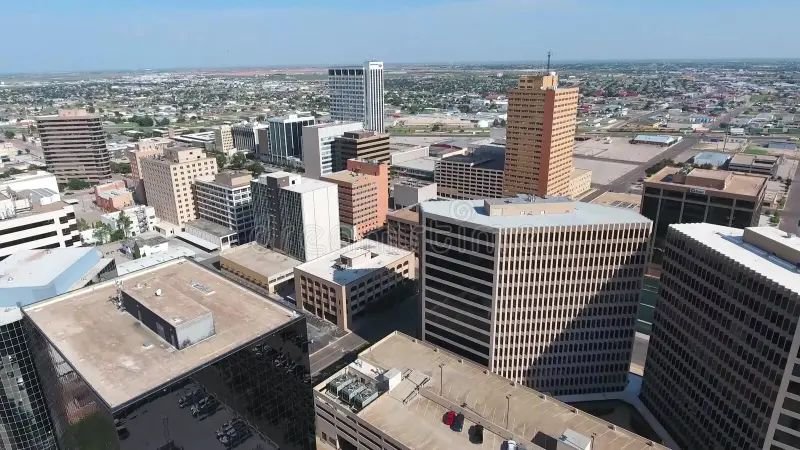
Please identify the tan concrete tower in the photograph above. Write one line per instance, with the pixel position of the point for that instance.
(540, 136)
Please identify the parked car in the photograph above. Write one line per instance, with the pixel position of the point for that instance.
(458, 423)
(476, 434)
(449, 417)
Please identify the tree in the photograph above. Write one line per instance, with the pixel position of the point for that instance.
(76, 184)
(90, 109)
(164, 122)
(102, 232)
(9, 134)
(120, 167)
(221, 161)
(124, 224)
(255, 169)
(260, 118)
(83, 224)
(238, 161)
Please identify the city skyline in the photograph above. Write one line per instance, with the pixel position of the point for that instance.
(128, 37)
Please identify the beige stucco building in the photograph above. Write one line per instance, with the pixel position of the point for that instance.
(169, 182)
(339, 286)
(540, 137)
(541, 291)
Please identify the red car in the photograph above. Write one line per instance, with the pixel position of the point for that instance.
(449, 418)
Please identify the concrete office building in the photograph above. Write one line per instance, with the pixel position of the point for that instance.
(676, 195)
(27, 277)
(722, 365)
(285, 139)
(475, 175)
(161, 358)
(318, 146)
(403, 228)
(341, 285)
(145, 148)
(363, 191)
(357, 94)
(223, 140)
(760, 164)
(296, 215)
(37, 179)
(410, 191)
(366, 145)
(251, 138)
(394, 396)
(540, 136)
(35, 219)
(225, 199)
(580, 182)
(257, 265)
(541, 291)
(169, 182)
(74, 146)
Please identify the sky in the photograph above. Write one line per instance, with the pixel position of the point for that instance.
(77, 35)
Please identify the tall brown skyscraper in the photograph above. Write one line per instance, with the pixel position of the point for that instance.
(540, 136)
(74, 146)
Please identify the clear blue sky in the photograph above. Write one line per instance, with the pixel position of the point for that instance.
(67, 35)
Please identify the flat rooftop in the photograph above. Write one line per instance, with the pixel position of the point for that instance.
(414, 418)
(735, 183)
(731, 243)
(619, 200)
(405, 214)
(425, 164)
(212, 228)
(474, 211)
(327, 267)
(308, 185)
(747, 159)
(260, 259)
(347, 176)
(123, 360)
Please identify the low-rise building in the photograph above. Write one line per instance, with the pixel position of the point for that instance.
(339, 286)
(208, 235)
(143, 219)
(759, 164)
(38, 179)
(113, 196)
(148, 244)
(655, 139)
(256, 264)
(399, 391)
(580, 182)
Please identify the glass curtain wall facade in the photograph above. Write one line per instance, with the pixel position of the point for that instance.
(256, 397)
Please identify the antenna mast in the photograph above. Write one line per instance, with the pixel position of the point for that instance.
(548, 61)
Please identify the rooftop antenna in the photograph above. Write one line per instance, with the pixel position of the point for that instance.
(548, 61)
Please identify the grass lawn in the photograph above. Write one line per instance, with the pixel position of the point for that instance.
(753, 150)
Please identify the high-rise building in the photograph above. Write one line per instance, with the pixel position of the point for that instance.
(30, 276)
(363, 197)
(357, 94)
(296, 215)
(251, 138)
(172, 357)
(540, 137)
(285, 139)
(225, 199)
(35, 219)
(723, 368)
(340, 286)
(223, 139)
(396, 394)
(541, 291)
(146, 148)
(676, 195)
(74, 146)
(169, 182)
(366, 145)
(318, 148)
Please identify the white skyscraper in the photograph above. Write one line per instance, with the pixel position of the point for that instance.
(317, 140)
(357, 94)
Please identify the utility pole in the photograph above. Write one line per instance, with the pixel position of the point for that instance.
(548, 61)
(508, 407)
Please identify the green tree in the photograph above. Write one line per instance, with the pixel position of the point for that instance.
(83, 224)
(164, 122)
(238, 161)
(221, 161)
(77, 184)
(255, 169)
(102, 232)
(124, 224)
(90, 109)
(9, 134)
(120, 167)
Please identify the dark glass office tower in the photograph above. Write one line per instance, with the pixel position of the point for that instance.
(175, 357)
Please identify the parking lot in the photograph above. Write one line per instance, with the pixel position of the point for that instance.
(618, 148)
(603, 172)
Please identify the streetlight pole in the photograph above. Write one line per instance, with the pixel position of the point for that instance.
(508, 407)
(441, 379)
